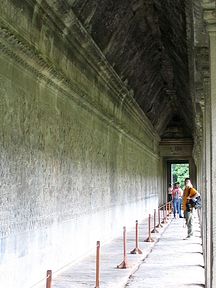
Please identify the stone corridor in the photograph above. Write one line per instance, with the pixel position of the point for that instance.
(98, 99)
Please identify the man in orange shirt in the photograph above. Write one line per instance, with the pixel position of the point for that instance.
(189, 193)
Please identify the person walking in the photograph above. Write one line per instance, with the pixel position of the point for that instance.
(189, 193)
(170, 188)
(176, 198)
(180, 195)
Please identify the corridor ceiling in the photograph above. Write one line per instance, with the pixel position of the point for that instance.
(145, 41)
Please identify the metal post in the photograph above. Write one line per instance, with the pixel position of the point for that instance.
(164, 217)
(154, 230)
(124, 264)
(49, 279)
(168, 205)
(98, 265)
(137, 250)
(149, 239)
(159, 223)
(171, 207)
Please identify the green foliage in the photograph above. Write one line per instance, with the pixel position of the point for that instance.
(179, 173)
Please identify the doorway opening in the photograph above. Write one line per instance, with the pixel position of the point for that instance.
(179, 171)
(176, 171)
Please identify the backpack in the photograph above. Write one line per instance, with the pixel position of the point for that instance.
(196, 202)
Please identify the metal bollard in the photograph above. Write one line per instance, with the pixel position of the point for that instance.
(98, 265)
(149, 239)
(159, 222)
(168, 212)
(124, 264)
(170, 207)
(164, 216)
(137, 250)
(154, 230)
(49, 279)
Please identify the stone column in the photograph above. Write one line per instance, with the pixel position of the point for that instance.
(212, 36)
(210, 17)
(207, 199)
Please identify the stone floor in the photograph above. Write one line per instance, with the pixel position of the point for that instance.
(173, 262)
(169, 261)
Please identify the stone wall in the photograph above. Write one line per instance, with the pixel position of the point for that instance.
(78, 157)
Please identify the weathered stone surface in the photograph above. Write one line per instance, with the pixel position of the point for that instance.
(79, 159)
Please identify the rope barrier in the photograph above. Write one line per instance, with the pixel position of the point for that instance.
(124, 264)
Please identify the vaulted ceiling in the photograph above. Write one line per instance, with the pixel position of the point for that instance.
(145, 41)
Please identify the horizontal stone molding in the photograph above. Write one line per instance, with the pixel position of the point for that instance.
(176, 148)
